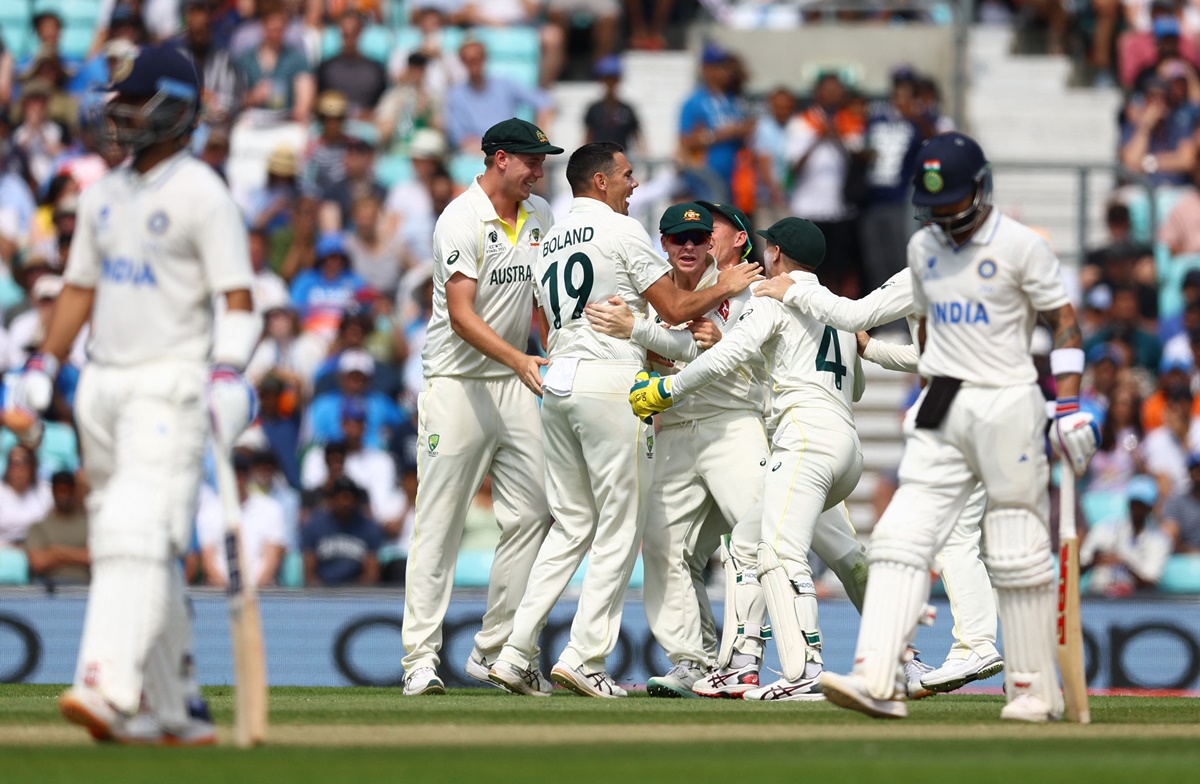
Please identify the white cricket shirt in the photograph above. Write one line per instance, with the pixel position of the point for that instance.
(981, 301)
(594, 254)
(470, 239)
(156, 247)
(812, 366)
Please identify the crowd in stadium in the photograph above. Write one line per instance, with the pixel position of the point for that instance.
(393, 99)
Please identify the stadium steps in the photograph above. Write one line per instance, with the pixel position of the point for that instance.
(1021, 109)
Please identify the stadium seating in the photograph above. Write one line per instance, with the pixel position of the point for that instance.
(14, 567)
(393, 169)
(1182, 575)
(376, 43)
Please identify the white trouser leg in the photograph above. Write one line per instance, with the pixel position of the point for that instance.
(519, 495)
(454, 452)
(168, 664)
(836, 543)
(965, 577)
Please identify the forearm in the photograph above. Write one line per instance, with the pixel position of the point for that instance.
(71, 312)
(892, 356)
(668, 343)
(723, 359)
(1135, 150)
(690, 305)
(1066, 336)
(475, 331)
(849, 315)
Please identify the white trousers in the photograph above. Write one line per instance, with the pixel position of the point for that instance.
(709, 476)
(599, 459)
(469, 428)
(965, 578)
(142, 434)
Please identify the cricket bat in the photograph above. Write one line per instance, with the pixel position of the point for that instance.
(245, 624)
(1070, 625)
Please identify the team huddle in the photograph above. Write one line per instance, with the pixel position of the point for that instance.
(741, 439)
(754, 450)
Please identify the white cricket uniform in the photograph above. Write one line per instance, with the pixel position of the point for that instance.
(815, 460)
(155, 248)
(598, 455)
(475, 417)
(980, 303)
(963, 573)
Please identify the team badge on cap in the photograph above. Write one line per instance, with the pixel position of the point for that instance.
(541, 137)
(691, 215)
(932, 179)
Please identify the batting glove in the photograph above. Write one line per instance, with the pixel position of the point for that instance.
(650, 394)
(232, 404)
(1074, 435)
(35, 387)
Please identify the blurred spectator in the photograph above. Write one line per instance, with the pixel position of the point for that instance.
(285, 352)
(63, 108)
(1157, 136)
(1168, 55)
(770, 145)
(521, 13)
(1181, 515)
(323, 293)
(161, 16)
(6, 76)
(1125, 555)
(341, 543)
(408, 108)
(714, 123)
(24, 499)
(610, 119)
(481, 101)
(409, 204)
(359, 78)
(376, 255)
(1180, 232)
(1100, 377)
(648, 32)
(441, 68)
(1123, 261)
(357, 182)
(276, 76)
(245, 25)
(1118, 458)
(563, 16)
(48, 26)
(279, 419)
(1124, 327)
(820, 143)
(57, 545)
(266, 476)
(1139, 48)
(263, 538)
(355, 369)
(929, 99)
(1093, 313)
(325, 158)
(270, 208)
(17, 204)
(1174, 373)
(1103, 40)
(216, 151)
(1166, 448)
(481, 531)
(216, 68)
(1179, 345)
(269, 289)
(39, 137)
(894, 132)
(371, 469)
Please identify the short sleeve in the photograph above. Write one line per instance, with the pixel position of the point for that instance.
(273, 527)
(373, 535)
(642, 262)
(1041, 278)
(83, 264)
(209, 524)
(456, 244)
(222, 245)
(691, 116)
(1173, 510)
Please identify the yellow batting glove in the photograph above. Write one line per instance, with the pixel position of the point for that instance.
(650, 394)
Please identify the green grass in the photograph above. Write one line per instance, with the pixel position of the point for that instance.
(947, 739)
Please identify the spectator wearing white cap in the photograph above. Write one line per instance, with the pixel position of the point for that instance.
(409, 204)
(355, 369)
(1130, 553)
(27, 330)
(264, 531)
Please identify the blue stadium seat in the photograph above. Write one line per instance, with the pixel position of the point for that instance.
(1139, 211)
(523, 72)
(15, 14)
(14, 567)
(78, 13)
(18, 39)
(1182, 575)
(393, 169)
(76, 41)
(509, 43)
(464, 167)
(1101, 507)
(472, 568)
(375, 42)
(1170, 289)
(291, 571)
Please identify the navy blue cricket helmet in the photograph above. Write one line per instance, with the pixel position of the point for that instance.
(156, 95)
(951, 167)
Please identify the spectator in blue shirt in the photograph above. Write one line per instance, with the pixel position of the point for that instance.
(1157, 136)
(323, 293)
(715, 123)
(341, 543)
(355, 369)
(482, 101)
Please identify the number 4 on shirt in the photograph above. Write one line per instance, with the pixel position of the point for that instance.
(835, 367)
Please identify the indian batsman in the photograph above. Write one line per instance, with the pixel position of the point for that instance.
(478, 414)
(157, 239)
(815, 459)
(973, 656)
(598, 458)
(980, 280)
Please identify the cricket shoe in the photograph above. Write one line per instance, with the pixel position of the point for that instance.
(145, 729)
(423, 680)
(956, 673)
(1029, 707)
(728, 684)
(677, 682)
(783, 690)
(586, 684)
(478, 669)
(92, 712)
(914, 669)
(850, 691)
(514, 680)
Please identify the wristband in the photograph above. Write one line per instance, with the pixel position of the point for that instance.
(43, 363)
(1065, 406)
(1064, 361)
(238, 332)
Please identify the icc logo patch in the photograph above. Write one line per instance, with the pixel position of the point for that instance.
(987, 268)
(158, 222)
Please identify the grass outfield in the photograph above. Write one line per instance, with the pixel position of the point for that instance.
(362, 735)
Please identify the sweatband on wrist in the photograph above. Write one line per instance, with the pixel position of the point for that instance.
(1064, 361)
(1066, 405)
(238, 332)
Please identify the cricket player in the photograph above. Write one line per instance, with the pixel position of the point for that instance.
(973, 656)
(157, 239)
(980, 280)
(478, 413)
(598, 458)
(815, 458)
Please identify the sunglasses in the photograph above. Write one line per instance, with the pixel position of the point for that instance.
(696, 237)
